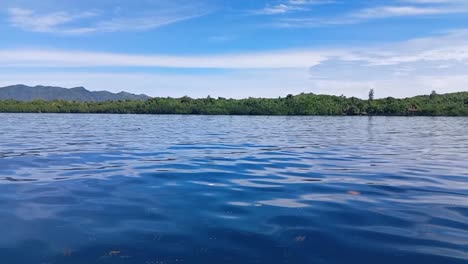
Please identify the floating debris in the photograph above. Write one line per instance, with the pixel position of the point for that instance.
(356, 193)
(300, 238)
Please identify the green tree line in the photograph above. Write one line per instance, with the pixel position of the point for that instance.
(454, 104)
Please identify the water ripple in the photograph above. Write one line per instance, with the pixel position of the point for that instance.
(206, 189)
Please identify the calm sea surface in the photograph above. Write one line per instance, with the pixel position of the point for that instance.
(204, 189)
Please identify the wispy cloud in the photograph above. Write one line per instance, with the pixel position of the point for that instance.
(399, 8)
(434, 1)
(394, 69)
(221, 38)
(29, 20)
(396, 11)
(289, 6)
(68, 23)
(142, 23)
(452, 47)
(263, 60)
(277, 9)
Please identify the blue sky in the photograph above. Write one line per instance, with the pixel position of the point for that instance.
(238, 48)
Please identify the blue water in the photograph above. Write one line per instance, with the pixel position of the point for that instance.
(204, 189)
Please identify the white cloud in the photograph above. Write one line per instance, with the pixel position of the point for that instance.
(277, 9)
(450, 47)
(310, 2)
(399, 69)
(394, 69)
(43, 58)
(141, 24)
(289, 6)
(68, 23)
(405, 8)
(395, 11)
(221, 38)
(434, 1)
(30, 21)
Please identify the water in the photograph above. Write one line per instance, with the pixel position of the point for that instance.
(203, 189)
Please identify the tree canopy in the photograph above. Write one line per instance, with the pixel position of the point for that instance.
(454, 104)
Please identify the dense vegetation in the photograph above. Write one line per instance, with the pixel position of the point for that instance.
(455, 104)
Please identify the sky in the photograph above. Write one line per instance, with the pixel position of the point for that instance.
(237, 48)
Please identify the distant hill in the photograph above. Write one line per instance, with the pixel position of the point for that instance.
(49, 93)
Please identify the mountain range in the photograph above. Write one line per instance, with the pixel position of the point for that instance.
(50, 93)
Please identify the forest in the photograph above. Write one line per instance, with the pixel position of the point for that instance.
(453, 104)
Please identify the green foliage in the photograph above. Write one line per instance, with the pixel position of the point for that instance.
(455, 104)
